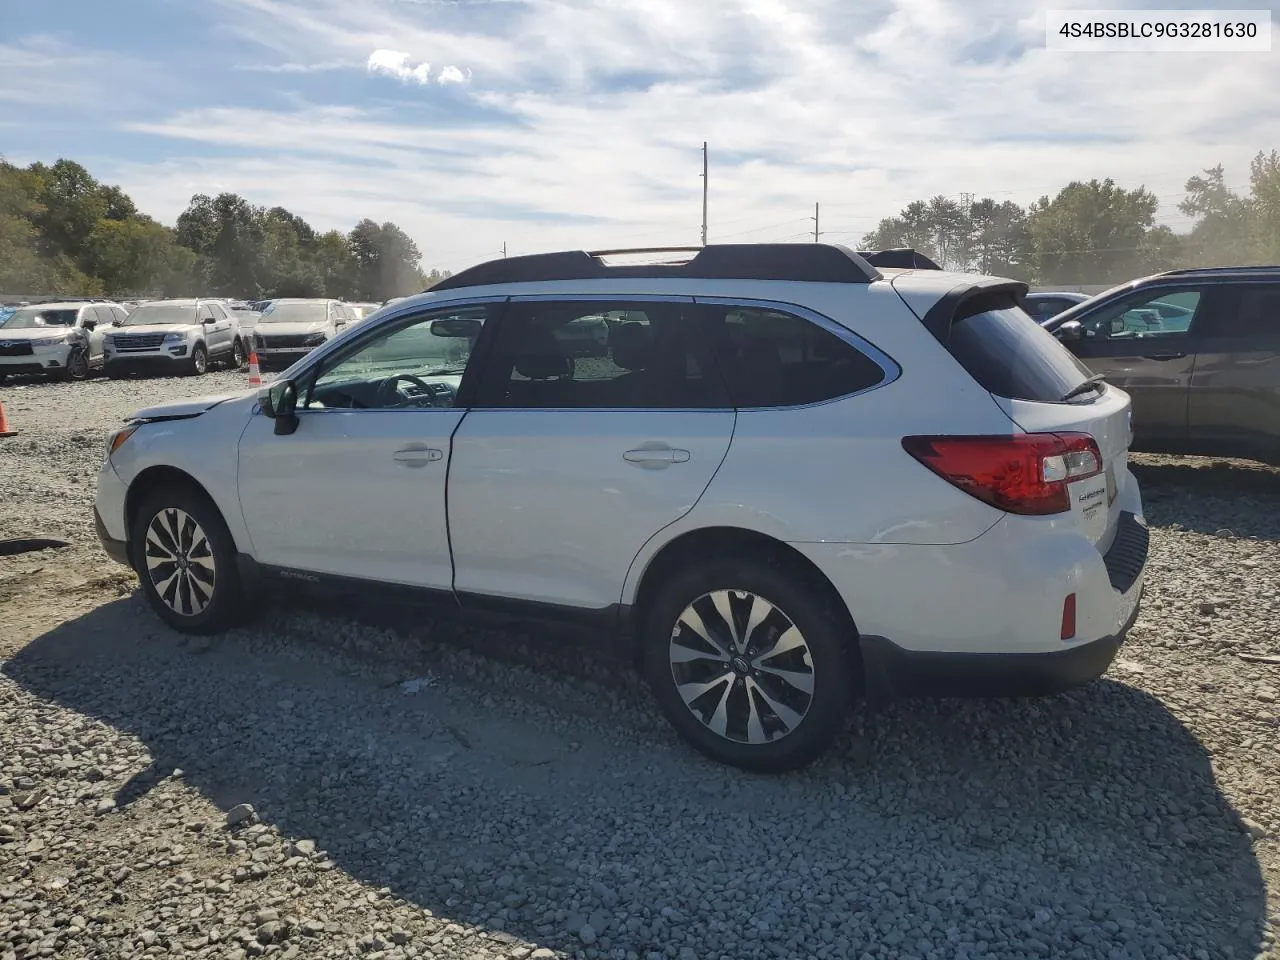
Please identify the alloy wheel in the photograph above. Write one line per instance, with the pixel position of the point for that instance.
(180, 562)
(741, 666)
(199, 360)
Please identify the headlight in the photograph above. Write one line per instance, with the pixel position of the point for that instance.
(49, 341)
(313, 340)
(117, 439)
(174, 337)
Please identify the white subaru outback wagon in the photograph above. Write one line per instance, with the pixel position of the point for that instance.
(791, 477)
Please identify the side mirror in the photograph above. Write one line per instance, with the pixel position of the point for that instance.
(208, 320)
(1071, 330)
(280, 401)
(89, 324)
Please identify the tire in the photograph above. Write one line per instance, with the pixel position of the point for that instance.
(199, 362)
(792, 727)
(77, 367)
(200, 592)
(238, 357)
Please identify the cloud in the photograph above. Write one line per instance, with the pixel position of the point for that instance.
(322, 67)
(394, 63)
(452, 74)
(597, 109)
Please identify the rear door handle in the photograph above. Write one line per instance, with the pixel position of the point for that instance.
(415, 456)
(660, 455)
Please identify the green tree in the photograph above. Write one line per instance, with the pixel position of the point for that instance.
(1094, 232)
(135, 255)
(71, 204)
(386, 261)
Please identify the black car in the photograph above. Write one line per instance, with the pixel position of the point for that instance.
(1199, 352)
(1045, 305)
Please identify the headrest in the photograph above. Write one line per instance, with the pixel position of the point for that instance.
(540, 356)
(632, 344)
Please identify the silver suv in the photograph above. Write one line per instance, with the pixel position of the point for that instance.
(177, 336)
(60, 340)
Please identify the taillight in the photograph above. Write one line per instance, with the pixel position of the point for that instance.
(1024, 473)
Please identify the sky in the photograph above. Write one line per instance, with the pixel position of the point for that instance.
(570, 124)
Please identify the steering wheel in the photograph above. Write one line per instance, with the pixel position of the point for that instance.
(389, 394)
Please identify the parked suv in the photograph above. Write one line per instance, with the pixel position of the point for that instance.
(1199, 352)
(791, 478)
(290, 329)
(174, 336)
(61, 340)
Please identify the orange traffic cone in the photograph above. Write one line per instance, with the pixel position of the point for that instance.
(255, 377)
(4, 424)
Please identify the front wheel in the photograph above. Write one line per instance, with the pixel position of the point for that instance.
(199, 360)
(237, 355)
(186, 560)
(749, 664)
(77, 367)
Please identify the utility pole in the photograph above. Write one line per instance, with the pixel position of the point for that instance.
(816, 232)
(504, 249)
(704, 193)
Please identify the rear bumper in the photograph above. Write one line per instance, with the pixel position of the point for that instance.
(893, 671)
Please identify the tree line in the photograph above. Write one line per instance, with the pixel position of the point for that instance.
(1096, 231)
(62, 232)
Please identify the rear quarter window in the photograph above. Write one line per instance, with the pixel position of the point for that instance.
(1012, 356)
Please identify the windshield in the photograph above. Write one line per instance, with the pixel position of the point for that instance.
(27, 317)
(6, 313)
(277, 312)
(184, 313)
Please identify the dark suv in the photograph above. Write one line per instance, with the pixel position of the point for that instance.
(1199, 353)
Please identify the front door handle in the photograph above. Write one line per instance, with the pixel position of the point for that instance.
(415, 456)
(660, 455)
(1165, 356)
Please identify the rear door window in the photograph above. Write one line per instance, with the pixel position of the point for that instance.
(1250, 311)
(771, 358)
(1012, 356)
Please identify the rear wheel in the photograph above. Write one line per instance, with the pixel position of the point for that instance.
(199, 360)
(749, 663)
(186, 560)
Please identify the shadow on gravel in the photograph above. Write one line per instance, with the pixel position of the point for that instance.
(1087, 825)
(1207, 496)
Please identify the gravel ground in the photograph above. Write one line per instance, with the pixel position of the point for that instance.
(320, 786)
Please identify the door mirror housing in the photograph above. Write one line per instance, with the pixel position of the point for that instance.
(280, 401)
(208, 320)
(1071, 330)
(89, 324)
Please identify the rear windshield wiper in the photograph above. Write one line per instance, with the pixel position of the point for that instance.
(1093, 383)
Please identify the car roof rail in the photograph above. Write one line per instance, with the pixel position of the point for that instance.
(899, 258)
(1218, 270)
(809, 262)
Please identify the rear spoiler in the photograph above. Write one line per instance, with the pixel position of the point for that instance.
(900, 258)
(968, 299)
